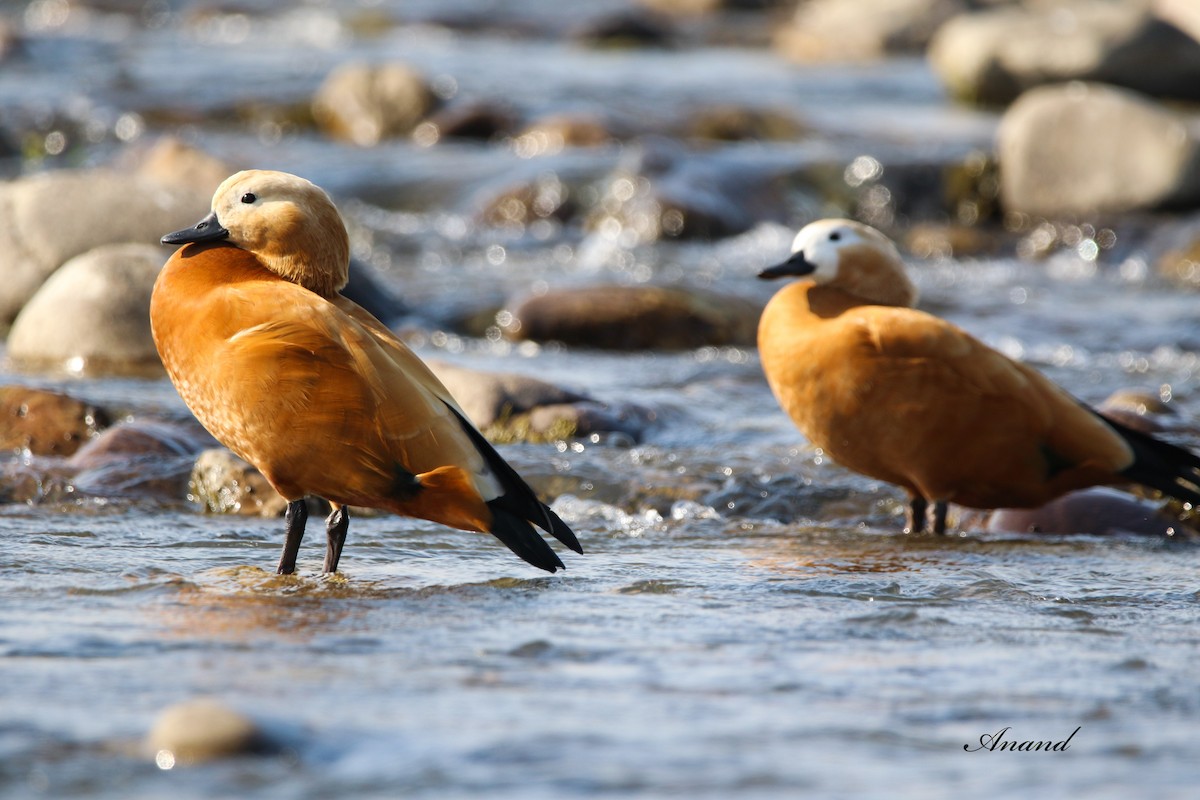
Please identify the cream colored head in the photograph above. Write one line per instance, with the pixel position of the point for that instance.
(850, 256)
(288, 223)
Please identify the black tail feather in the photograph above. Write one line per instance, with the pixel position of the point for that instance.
(518, 499)
(1161, 465)
(520, 537)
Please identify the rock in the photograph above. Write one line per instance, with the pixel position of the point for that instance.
(139, 457)
(856, 30)
(589, 418)
(204, 729)
(225, 484)
(491, 397)
(475, 120)
(1098, 510)
(545, 197)
(993, 56)
(663, 191)
(1143, 411)
(635, 318)
(92, 315)
(628, 28)
(731, 123)
(508, 407)
(1085, 149)
(172, 162)
(103, 206)
(550, 135)
(46, 423)
(1175, 252)
(365, 104)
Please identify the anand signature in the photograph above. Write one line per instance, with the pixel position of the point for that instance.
(1002, 740)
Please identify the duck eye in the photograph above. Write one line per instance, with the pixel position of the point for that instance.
(833, 237)
(248, 197)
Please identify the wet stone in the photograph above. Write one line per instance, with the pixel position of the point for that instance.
(1099, 510)
(92, 315)
(204, 729)
(472, 120)
(45, 422)
(732, 123)
(225, 484)
(1140, 410)
(365, 104)
(140, 457)
(635, 318)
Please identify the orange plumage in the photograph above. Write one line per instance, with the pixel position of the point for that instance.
(310, 388)
(905, 397)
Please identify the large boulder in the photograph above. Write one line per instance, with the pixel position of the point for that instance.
(365, 103)
(51, 217)
(1083, 149)
(992, 56)
(92, 315)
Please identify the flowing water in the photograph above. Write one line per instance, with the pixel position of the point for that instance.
(748, 620)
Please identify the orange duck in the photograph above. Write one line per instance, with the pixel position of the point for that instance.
(311, 389)
(904, 397)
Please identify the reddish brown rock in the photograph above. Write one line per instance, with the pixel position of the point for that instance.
(636, 318)
(46, 423)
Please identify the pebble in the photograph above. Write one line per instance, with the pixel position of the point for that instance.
(203, 729)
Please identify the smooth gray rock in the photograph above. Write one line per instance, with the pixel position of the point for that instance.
(992, 56)
(856, 30)
(201, 730)
(1082, 149)
(92, 315)
(48, 218)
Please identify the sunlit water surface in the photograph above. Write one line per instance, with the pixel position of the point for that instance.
(715, 640)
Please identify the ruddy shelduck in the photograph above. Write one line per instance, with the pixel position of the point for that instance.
(904, 397)
(314, 391)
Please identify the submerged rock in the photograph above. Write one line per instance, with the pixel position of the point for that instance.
(994, 55)
(46, 423)
(139, 457)
(1099, 510)
(92, 315)
(204, 729)
(1085, 149)
(365, 103)
(635, 318)
(103, 206)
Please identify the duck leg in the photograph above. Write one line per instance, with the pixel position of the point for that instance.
(336, 525)
(916, 515)
(297, 516)
(939, 517)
